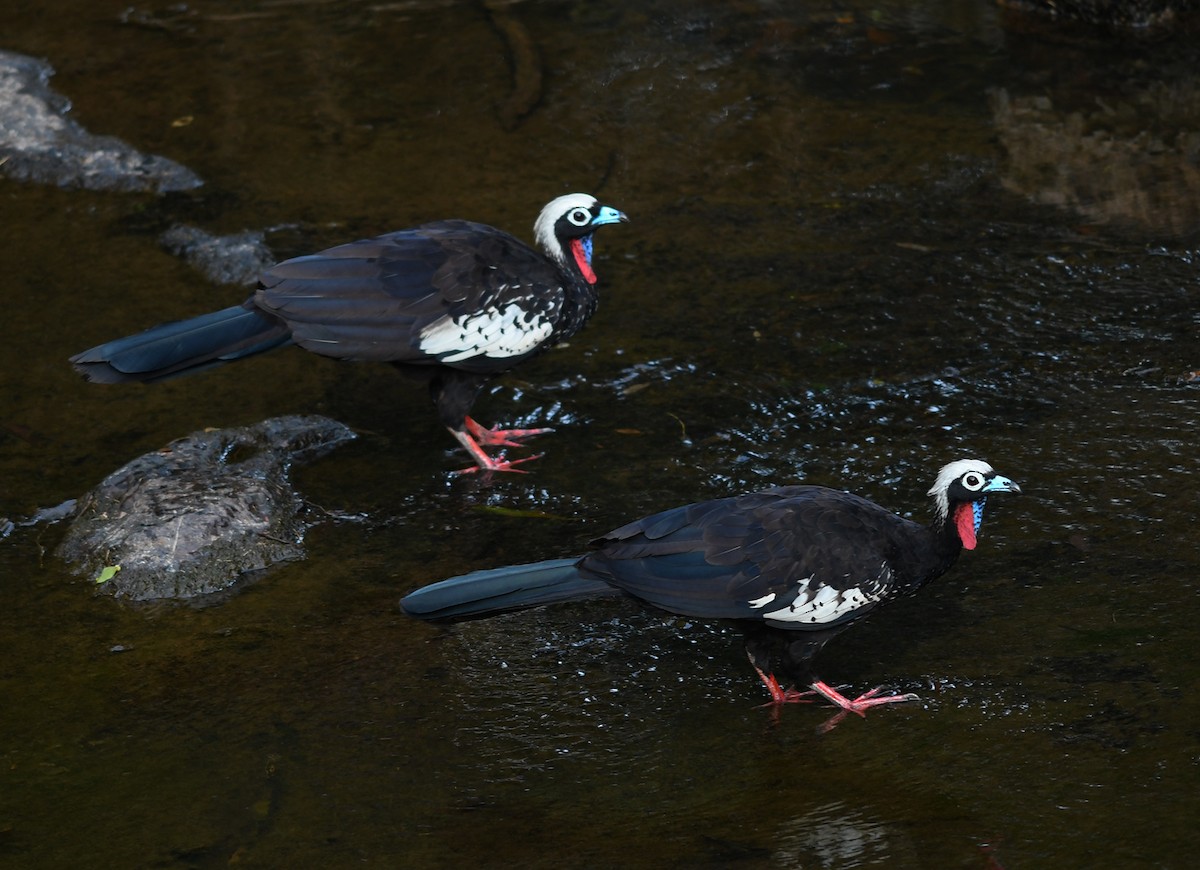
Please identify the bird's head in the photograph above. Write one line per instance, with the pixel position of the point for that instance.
(959, 494)
(564, 229)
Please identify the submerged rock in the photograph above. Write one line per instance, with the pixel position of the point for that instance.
(39, 143)
(1135, 160)
(233, 259)
(56, 514)
(190, 519)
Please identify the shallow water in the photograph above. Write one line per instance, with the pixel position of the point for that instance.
(839, 270)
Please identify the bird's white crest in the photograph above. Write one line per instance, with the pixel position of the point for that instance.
(950, 473)
(543, 227)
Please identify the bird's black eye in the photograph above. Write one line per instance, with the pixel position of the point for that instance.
(581, 217)
(973, 481)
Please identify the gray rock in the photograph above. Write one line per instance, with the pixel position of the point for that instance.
(233, 259)
(191, 519)
(39, 143)
(56, 514)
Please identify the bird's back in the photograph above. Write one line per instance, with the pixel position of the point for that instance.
(799, 557)
(456, 293)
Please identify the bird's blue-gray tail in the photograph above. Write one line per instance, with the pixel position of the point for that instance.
(481, 593)
(183, 346)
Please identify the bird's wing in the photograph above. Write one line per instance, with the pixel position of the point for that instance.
(795, 557)
(455, 292)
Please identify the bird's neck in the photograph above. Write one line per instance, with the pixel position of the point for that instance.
(578, 258)
(577, 308)
(945, 544)
(921, 554)
(580, 304)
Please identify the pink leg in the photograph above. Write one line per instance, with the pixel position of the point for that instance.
(483, 462)
(780, 695)
(501, 437)
(863, 702)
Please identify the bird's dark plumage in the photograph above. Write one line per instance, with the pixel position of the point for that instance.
(794, 565)
(455, 301)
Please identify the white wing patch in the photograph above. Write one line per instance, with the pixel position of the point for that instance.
(493, 332)
(825, 603)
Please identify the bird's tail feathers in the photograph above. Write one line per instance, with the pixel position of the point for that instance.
(515, 587)
(183, 346)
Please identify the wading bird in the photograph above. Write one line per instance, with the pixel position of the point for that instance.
(452, 301)
(793, 565)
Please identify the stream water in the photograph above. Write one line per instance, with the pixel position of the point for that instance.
(865, 239)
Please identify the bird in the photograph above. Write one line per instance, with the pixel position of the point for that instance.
(793, 566)
(453, 301)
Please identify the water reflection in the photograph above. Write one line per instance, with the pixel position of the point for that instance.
(1105, 127)
(1128, 163)
(832, 836)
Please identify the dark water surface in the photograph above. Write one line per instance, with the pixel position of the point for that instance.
(847, 264)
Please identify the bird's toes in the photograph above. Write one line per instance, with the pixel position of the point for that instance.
(498, 463)
(863, 702)
(871, 699)
(498, 437)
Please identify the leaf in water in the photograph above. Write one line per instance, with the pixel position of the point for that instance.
(629, 431)
(107, 574)
(517, 512)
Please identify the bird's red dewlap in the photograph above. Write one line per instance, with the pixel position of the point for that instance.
(964, 518)
(581, 261)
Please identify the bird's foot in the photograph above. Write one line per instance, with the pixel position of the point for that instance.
(498, 437)
(863, 702)
(780, 695)
(499, 463)
(483, 462)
